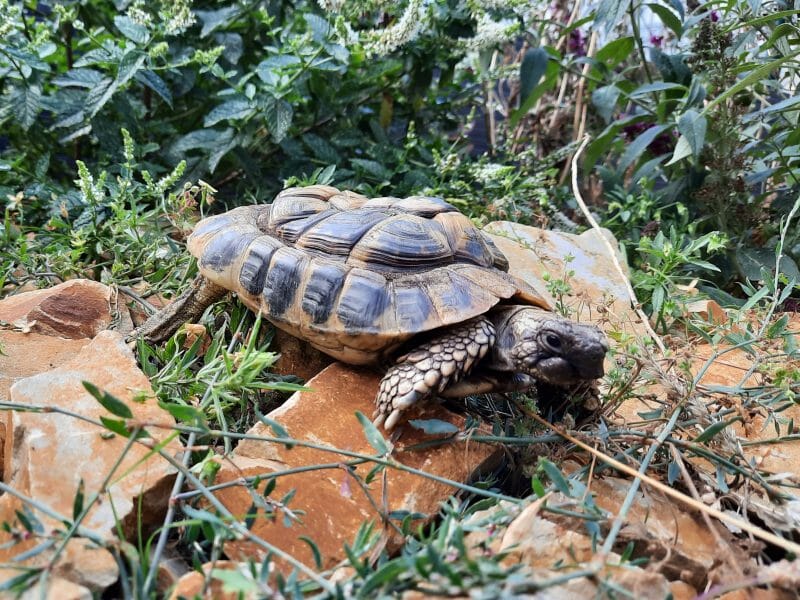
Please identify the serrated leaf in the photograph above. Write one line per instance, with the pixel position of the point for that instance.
(111, 403)
(692, 126)
(533, 67)
(278, 113)
(232, 109)
(639, 145)
(27, 103)
(434, 426)
(80, 78)
(155, 83)
(373, 168)
(604, 100)
(374, 437)
(69, 121)
(131, 29)
(201, 138)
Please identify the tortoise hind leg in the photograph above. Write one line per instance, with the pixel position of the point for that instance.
(188, 307)
(432, 367)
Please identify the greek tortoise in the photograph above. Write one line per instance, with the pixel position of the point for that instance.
(408, 282)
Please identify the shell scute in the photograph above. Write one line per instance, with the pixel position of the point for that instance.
(402, 242)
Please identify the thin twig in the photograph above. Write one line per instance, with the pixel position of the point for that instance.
(762, 534)
(611, 251)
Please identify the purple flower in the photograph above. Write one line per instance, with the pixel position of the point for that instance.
(714, 16)
(576, 43)
(656, 40)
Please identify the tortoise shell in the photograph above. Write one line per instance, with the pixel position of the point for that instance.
(356, 277)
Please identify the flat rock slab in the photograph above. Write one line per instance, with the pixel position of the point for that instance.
(48, 454)
(79, 308)
(330, 502)
(598, 290)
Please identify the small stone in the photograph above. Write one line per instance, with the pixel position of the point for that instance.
(79, 308)
(57, 589)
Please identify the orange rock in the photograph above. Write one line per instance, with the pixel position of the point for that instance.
(49, 454)
(297, 357)
(598, 292)
(331, 502)
(57, 589)
(79, 308)
(25, 354)
(193, 585)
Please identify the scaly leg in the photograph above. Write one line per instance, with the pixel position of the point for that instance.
(431, 368)
(188, 307)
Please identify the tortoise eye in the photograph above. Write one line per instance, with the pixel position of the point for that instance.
(553, 340)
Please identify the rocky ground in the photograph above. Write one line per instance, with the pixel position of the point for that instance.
(59, 444)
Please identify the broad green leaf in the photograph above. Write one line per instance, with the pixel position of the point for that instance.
(550, 77)
(111, 403)
(212, 19)
(697, 93)
(229, 110)
(692, 126)
(373, 168)
(639, 145)
(658, 86)
(604, 100)
(616, 51)
(374, 437)
(120, 428)
(155, 83)
(682, 149)
(278, 113)
(668, 18)
(130, 63)
(132, 30)
(531, 71)
(610, 13)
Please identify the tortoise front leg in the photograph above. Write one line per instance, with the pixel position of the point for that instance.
(188, 307)
(432, 367)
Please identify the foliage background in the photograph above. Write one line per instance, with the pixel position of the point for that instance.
(121, 123)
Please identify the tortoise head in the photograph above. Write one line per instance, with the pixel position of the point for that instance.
(549, 347)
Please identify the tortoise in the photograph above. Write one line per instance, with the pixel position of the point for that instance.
(410, 283)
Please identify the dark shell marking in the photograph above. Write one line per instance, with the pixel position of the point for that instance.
(356, 277)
